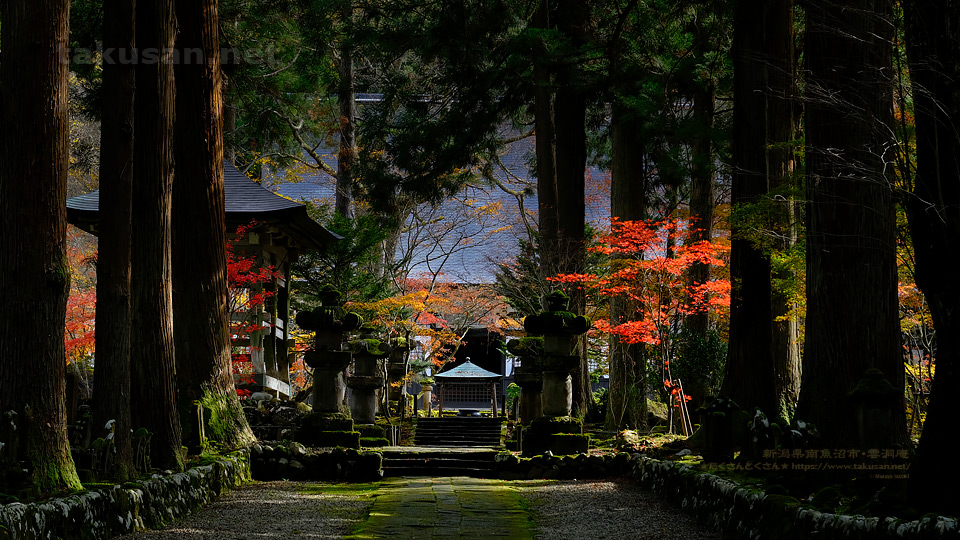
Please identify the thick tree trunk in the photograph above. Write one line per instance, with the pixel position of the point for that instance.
(200, 310)
(852, 308)
(780, 72)
(702, 204)
(748, 375)
(112, 371)
(702, 193)
(36, 277)
(570, 110)
(933, 49)
(627, 400)
(348, 140)
(153, 366)
(546, 149)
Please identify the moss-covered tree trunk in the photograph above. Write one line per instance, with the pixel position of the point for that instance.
(36, 277)
(200, 309)
(152, 360)
(112, 373)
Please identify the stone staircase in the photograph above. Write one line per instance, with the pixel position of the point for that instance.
(433, 461)
(459, 431)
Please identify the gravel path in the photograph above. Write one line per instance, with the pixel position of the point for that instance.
(574, 510)
(279, 509)
(579, 510)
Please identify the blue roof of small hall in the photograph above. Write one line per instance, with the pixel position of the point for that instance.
(467, 370)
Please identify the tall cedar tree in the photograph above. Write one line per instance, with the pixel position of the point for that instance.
(763, 371)
(780, 76)
(347, 155)
(570, 111)
(33, 221)
(200, 309)
(852, 311)
(702, 182)
(749, 375)
(933, 209)
(112, 371)
(627, 401)
(153, 366)
(546, 144)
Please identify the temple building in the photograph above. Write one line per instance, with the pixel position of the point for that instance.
(278, 231)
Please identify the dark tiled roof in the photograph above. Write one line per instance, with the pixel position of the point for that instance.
(244, 196)
(244, 199)
(467, 370)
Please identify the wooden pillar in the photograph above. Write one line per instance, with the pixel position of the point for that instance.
(493, 398)
(283, 314)
(256, 336)
(440, 393)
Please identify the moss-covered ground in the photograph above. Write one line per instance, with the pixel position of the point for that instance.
(415, 507)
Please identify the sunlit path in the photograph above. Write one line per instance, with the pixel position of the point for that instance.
(447, 507)
(437, 507)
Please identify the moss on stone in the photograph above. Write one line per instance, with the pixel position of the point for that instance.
(370, 430)
(373, 442)
(555, 424)
(326, 422)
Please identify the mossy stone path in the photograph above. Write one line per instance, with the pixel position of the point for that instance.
(446, 507)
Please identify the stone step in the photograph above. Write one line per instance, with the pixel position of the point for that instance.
(452, 462)
(458, 431)
(455, 442)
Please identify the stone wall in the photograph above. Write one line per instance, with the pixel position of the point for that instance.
(135, 506)
(742, 513)
(294, 461)
(580, 466)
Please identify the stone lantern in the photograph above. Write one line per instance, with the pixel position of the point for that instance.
(528, 376)
(396, 370)
(876, 402)
(556, 430)
(367, 379)
(558, 328)
(329, 424)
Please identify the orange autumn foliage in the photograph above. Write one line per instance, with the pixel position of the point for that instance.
(648, 264)
(80, 320)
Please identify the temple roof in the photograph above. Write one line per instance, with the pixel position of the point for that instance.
(245, 200)
(467, 370)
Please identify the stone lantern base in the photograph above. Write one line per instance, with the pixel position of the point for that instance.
(328, 430)
(363, 397)
(561, 435)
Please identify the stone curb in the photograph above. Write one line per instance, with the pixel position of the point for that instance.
(741, 513)
(124, 509)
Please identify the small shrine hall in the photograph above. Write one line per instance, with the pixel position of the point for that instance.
(282, 232)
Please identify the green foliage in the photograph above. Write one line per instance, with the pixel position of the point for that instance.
(701, 359)
(523, 283)
(346, 264)
(449, 77)
(601, 398)
(280, 68)
(513, 395)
